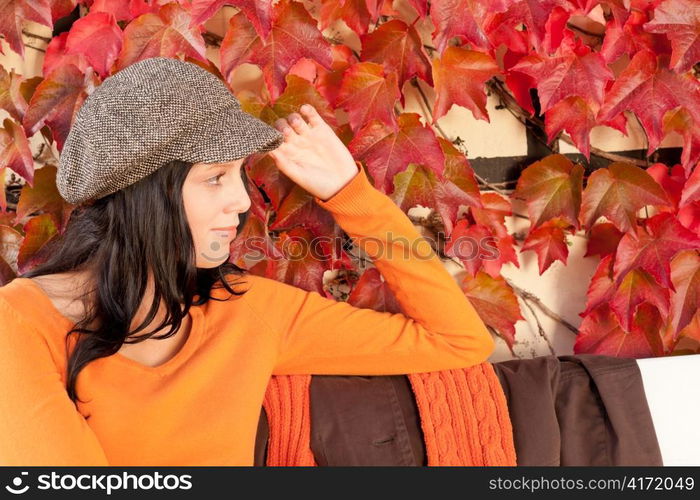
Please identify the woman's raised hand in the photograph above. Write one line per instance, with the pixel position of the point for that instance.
(312, 155)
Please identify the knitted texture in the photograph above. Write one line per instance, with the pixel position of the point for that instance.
(463, 413)
(288, 411)
(464, 417)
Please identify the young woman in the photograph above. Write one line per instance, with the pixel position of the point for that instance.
(138, 343)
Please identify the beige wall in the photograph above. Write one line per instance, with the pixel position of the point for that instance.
(561, 288)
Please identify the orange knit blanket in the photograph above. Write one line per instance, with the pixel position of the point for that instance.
(463, 412)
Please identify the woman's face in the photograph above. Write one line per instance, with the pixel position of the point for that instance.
(214, 195)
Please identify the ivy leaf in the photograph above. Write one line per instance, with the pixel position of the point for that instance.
(12, 99)
(636, 288)
(680, 121)
(399, 48)
(617, 193)
(299, 208)
(57, 99)
(14, 12)
(419, 186)
(548, 241)
(650, 91)
(459, 77)
(691, 189)
(573, 72)
(680, 21)
(15, 152)
(689, 216)
(163, 34)
(574, 115)
(685, 275)
(601, 287)
(10, 242)
(672, 182)
(38, 232)
(294, 35)
(368, 93)
(98, 38)
(304, 264)
(601, 333)
(494, 301)
(652, 247)
(239, 42)
(463, 19)
(43, 196)
(551, 188)
(258, 12)
(603, 240)
(372, 292)
(387, 152)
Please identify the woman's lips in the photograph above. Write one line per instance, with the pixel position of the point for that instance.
(224, 233)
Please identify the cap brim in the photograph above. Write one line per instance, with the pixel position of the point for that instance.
(230, 136)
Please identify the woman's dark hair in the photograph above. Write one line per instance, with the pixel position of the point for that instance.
(118, 240)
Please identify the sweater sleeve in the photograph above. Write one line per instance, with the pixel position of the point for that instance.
(39, 425)
(317, 335)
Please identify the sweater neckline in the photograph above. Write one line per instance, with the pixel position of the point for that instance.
(191, 343)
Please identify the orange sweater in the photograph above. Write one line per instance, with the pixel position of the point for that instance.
(202, 406)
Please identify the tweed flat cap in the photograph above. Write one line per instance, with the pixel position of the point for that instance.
(153, 111)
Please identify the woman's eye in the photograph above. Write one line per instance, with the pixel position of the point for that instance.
(215, 179)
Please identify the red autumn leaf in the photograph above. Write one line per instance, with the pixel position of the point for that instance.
(299, 208)
(372, 292)
(575, 71)
(629, 38)
(492, 216)
(258, 12)
(10, 241)
(601, 287)
(12, 99)
(672, 182)
(636, 288)
(43, 196)
(689, 217)
(652, 247)
(367, 94)
(459, 77)
(57, 99)
(600, 333)
(419, 186)
(685, 274)
(618, 192)
(13, 12)
(551, 188)
(328, 81)
(534, 15)
(253, 244)
(464, 19)
(680, 121)
(57, 57)
(387, 152)
(649, 92)
(15, 152)
(603, 240)
(294, 35)
(548, 241)
(574, 116)
(399, 48)
(305, 261)
(691, 189)
(98, 38)
(38, 231)
(494, 301)
(478, 248)
(680, 21)
(240, 40)
(356, 14)
(165, 34)
(125, 10)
